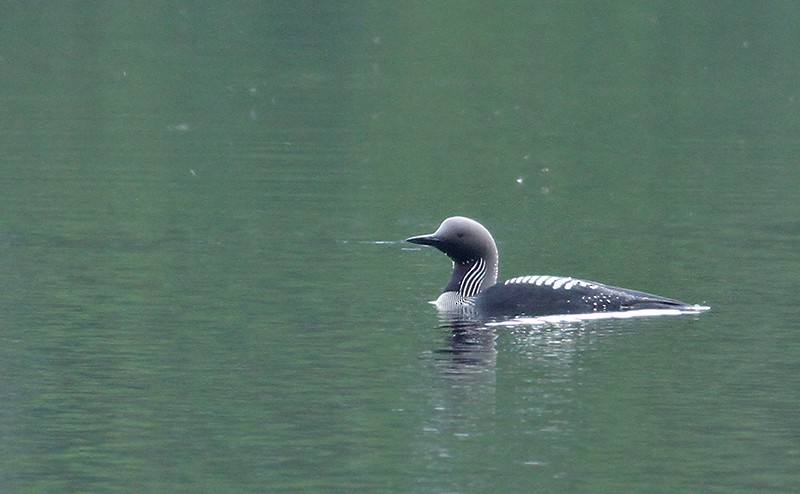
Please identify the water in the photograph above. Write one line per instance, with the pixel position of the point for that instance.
(204, 284)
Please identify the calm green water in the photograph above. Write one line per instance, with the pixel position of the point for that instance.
(204, 288)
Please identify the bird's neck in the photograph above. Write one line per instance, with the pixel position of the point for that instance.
(472, 277)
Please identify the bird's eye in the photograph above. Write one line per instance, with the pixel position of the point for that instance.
(460, 235)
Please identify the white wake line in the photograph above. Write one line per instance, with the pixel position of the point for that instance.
(593, 316)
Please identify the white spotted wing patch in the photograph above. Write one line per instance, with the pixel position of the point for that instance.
(555, 282)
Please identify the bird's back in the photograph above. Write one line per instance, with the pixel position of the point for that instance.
(550, 295)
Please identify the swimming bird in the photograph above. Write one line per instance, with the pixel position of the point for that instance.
(473, 283)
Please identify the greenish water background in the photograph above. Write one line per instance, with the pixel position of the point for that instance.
(204, 287)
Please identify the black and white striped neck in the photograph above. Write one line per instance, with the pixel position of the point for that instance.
(468, 278)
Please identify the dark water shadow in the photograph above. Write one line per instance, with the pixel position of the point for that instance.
(469, 345)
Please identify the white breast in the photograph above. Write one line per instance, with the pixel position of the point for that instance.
(453, 301)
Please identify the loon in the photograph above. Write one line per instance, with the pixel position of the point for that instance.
(473, 284)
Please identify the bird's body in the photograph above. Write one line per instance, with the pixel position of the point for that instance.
(473, 284)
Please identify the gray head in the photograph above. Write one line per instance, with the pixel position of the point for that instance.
(472, 249)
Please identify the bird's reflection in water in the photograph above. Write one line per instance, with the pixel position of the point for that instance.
(470, 345)
(462, 401)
